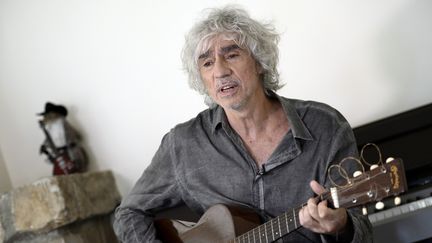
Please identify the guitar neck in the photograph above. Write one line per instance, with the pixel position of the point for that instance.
(277, 227)
(273, 229)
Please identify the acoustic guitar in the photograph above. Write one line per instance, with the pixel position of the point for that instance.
(223, 223)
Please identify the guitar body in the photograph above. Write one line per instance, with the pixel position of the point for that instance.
(220, 223)
(63, 165)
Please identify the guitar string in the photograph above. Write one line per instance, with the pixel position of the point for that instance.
(268, 225)
(288, 218)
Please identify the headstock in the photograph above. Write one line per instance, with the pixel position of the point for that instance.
(382, 181)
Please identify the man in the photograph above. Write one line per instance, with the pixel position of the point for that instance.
(251, 148)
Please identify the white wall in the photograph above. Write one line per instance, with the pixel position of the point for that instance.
(115, 64)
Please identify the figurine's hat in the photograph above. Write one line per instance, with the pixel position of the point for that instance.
(53, 108)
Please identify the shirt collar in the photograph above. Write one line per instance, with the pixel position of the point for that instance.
(297, 126)
(219, 117)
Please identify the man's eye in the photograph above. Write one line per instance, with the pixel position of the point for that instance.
(232, 55)
(207, 64)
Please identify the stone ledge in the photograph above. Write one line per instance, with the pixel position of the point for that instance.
(52, 202)
(96, 229)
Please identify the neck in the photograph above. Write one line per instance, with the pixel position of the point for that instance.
(255, 118)
(261, 127)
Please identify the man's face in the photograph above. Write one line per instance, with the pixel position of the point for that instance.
(230, 74)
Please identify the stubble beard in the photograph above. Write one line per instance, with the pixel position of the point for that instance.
(239, 105)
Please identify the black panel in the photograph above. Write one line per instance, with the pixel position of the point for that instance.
(406, 135)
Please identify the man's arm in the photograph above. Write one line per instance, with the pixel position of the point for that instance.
(155, 190)
(337, 225)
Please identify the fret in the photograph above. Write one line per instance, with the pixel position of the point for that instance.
(272, 231)
(253, 233)
(286, 222)
(275, 227)
(280, 231)
(275, 231)
(298, 219)
(280, 226)
(295, 223)
(259, 234)
(292, 222)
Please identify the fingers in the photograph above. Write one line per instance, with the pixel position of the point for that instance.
(309, 215)
(321, 219)
(317, 212)
(317, 217)
(312, 208)
(316, 187)
(323, 210)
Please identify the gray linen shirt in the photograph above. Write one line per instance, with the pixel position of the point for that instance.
(204, 162)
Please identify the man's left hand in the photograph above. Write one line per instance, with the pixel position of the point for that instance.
(319, 218)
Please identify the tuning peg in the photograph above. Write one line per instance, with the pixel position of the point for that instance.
(374, 166)
(364, 210)
(389, 159)
(357, 173)
(379, 205)
(397, 201)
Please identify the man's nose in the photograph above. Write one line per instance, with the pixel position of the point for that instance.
(221, 68)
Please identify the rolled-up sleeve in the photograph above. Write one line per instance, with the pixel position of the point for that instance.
(156, 189)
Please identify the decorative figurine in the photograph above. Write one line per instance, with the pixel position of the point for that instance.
(61, 145)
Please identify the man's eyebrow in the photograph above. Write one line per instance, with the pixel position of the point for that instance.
(226, 49)
(204, 55)
(223, 50)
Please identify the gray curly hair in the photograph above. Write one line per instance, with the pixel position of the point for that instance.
(235, 24)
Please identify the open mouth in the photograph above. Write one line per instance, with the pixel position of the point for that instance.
(227, 88)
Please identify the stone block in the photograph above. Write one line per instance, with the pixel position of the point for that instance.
(52, 202)
(96, 229)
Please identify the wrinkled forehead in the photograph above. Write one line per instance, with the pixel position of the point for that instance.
(209, 41)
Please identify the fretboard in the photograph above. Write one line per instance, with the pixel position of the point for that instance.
(276, 227)
(272, 229)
